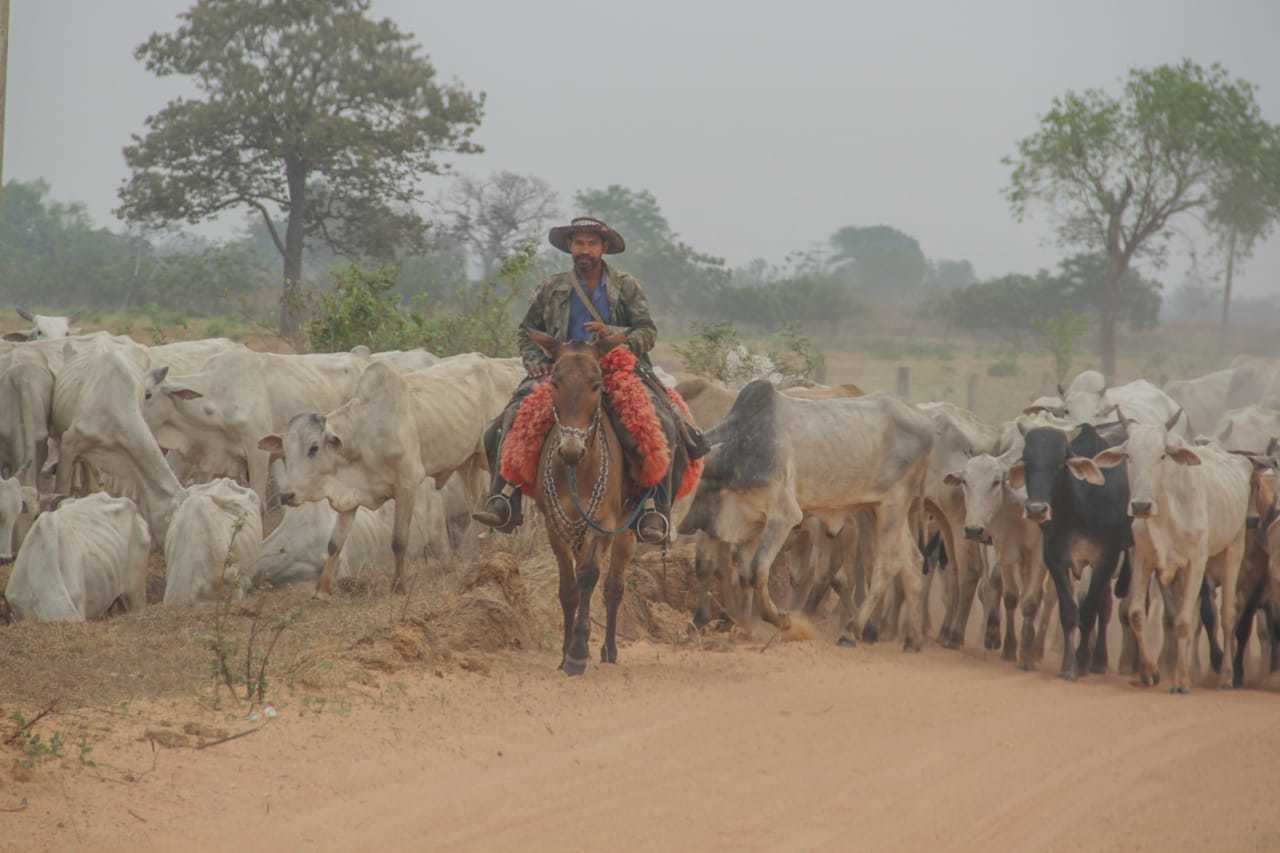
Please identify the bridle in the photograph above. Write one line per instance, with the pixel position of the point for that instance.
(585, 435)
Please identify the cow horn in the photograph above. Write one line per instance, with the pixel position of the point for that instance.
(1062, 392)
(1169, 424)
(1271, 445)
(25, 314)
(1226, 431)
(1022, 428)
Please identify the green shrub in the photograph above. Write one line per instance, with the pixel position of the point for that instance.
(1061, 335)
(1006, 365)
(359, 310)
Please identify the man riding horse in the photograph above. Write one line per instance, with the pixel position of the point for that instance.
(592, 301)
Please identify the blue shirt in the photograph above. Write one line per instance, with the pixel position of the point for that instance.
(579, 316)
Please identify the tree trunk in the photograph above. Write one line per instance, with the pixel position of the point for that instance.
(1226, 291)
(1110, 311)
(291, 298)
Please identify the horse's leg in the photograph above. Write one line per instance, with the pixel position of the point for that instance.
(575, 661)
(568, 594)
(619, 558)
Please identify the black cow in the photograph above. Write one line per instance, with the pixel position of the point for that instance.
(1076, 513)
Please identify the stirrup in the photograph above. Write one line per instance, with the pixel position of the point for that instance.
(640, 525)
(505, 512)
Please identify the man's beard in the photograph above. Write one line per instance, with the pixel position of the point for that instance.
(584, 263)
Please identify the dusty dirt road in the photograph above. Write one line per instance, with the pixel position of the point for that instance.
(795, 746)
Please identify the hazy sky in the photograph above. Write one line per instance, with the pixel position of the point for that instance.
(760, 127)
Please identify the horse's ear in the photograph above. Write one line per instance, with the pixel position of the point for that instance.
(546, 343)
(606, 343)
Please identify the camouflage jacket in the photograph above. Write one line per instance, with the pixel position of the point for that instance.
(549, 314)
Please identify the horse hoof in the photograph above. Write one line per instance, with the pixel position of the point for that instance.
(847, 641)
(573, 666)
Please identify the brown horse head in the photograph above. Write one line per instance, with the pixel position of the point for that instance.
(576, 382)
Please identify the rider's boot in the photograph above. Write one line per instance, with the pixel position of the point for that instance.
(500, 508)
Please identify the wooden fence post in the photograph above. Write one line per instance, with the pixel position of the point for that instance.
(904, 381)
(971, 393)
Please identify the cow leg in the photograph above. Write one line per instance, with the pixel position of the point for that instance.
(69, 454)
(948, 638)
(259, 465)
(1057, 558)
(1009, 649)
(801, 553)
(1096, 597)
(997, 587)
(1186, 588)
(1033, 598)
(1045, 619)
(1134, 605)
(704, 569)
(1099, 634)
(969, 571)
(338, 538)
(1272, 623)
(405, 500)
(1229, 571)
(588, 572)
(1209, 623)
(897, 558)
(771, 541)
(620, 554)
(1244, 625)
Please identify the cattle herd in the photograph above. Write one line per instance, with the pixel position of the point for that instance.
(1165, 499)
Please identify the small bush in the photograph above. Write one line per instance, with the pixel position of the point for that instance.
(1007, 365)
(360, 310)
(216, 328)
(1061, 335)
(715, 351)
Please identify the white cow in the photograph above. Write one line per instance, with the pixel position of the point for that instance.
(97, 417)
(214, 417)
(397, 429)
(296, 550)
(1251, 429)
(1189, 507)
(80, 559)
(213, 543)
(43, 328)
(17, 510)
(190, 356)
(1088, 399)
(958, 434)
(1204, 400)
(26, 398)
(994, 513)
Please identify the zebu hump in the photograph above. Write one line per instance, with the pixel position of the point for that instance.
(747, 440)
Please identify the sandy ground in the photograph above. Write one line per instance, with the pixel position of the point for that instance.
(744, 746)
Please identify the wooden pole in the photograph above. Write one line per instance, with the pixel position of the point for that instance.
(904, 381)
(4, 65)
(971, 393)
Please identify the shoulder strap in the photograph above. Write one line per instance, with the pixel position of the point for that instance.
(582, 295)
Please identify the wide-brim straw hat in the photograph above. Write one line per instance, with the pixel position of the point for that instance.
(562, 234)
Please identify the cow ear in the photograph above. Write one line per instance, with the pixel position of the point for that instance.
(1018, 475)
(546, 343)
(48, 503)
(1083, 468)
(332, 440)
(1110, 458)
(19, 337)
(954, 479)
(1184, 455)
(184, 393)
(158, 375)
(272, 444)
(25, 314)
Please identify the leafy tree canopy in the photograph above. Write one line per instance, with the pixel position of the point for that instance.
(308, 109)
(879, 259)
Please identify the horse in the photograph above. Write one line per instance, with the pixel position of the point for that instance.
(580, 492)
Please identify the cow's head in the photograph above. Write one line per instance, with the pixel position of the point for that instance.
(1047, 456)
(1148, 455)
(576, 383)
(43, 327)
(14, 502)
(162, 402)
(984, 480)
(312, 454)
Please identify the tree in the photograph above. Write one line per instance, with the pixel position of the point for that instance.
(1244, 211)
(494, 216)
(1116, 171)
(950, 275)
(295, 95)
(879, 259)
(671, 271)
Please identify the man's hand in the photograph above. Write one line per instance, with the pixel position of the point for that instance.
(600, 330)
